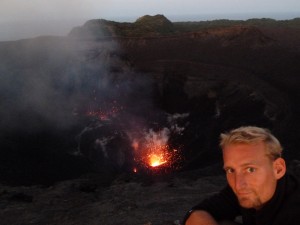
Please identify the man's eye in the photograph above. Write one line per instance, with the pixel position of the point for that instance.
(229, 170)
(250, 169)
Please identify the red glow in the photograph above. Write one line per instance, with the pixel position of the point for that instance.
(106, 112)
(157, 160)
(153, 151)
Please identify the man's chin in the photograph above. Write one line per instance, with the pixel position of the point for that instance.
(246, 203)
(249, 204)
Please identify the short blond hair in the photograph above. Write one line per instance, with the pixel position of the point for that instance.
(252, 135)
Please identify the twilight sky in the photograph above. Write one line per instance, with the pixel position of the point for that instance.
(30, 18)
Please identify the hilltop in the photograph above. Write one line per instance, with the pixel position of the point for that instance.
(159, 25)
(144, 26)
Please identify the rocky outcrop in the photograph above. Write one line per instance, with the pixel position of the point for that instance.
(157, 25)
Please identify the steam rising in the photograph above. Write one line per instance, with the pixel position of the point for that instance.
(52, 81)
(27, 19)
(158, 138)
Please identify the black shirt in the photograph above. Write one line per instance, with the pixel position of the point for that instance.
(282, 209)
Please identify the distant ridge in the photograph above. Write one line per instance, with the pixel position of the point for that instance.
(159, 25)
(144, 26)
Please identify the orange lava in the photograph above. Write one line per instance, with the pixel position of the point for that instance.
(157, 160)
(153, 150)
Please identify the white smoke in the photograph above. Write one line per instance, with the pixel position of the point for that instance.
(159, 138)
(174, 119)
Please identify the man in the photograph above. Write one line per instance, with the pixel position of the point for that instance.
(259, 189)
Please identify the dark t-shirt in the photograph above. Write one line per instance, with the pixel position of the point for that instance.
(282, 209)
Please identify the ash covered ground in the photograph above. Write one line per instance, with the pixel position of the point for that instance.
(128, 199)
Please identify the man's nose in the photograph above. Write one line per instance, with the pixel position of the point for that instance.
(240, 181)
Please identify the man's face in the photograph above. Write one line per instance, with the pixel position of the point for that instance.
(250, 173)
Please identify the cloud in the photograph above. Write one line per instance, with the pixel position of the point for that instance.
(25, 19)
(11, 10)
(15, 10)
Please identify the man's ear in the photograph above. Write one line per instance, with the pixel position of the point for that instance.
(279, 168)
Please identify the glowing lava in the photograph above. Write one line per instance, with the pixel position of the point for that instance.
(157, 160)
(106, 111)
(152, 149)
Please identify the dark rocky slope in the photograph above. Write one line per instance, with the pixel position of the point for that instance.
(226, 77)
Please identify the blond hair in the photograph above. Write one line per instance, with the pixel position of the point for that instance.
(253, 135)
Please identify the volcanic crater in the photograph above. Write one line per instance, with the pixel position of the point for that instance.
(118, 123)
